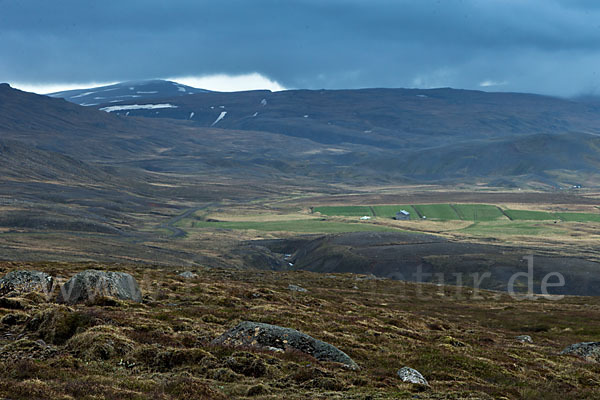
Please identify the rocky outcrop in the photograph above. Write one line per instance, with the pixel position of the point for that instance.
(587, 350)
(272, 337)
(92, 284)
(410, 375)
(20, 282)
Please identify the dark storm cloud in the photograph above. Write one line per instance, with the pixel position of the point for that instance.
(546, 46)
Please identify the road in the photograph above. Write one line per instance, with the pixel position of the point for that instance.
(178, 232)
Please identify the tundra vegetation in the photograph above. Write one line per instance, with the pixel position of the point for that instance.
(164, 347)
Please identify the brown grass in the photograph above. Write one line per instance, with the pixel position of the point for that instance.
(160, 349)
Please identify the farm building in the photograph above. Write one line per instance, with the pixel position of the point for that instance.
(402, 215)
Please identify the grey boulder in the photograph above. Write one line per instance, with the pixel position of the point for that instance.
(272, 337)
(21, 282)
(188, 275)
(410, 375)
(88, 285)
(296, 288)
(587, 350)
(524, 339)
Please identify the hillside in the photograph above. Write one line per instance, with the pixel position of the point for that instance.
(131, 179)
(411, 135)
(402, 118)
(400, 255)
(465, 345)
(157, 145)
(126, 91)
(542, 157)
(21, 162)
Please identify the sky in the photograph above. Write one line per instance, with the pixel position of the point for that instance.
(539, 46)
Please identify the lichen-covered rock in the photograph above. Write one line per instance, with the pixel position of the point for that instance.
(92, 284)
(410, 375)
(296, 288)
(524, 339)
(265, 337)
(587, 350)
(21, 282)
(188, 275)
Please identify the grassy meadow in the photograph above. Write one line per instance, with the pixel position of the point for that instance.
(458, 212)
(459, 220)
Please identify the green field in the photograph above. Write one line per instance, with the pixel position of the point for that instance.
(478, 212)
(345, 211)
(390, 211)
(530, 215)
(510, 228)
(302, 226)
(437, 211)
(451, 212)
(579, 217)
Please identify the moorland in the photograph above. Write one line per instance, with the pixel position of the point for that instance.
(255, 191)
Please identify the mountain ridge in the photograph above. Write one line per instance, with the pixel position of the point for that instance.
(382, 135)
(120, 92)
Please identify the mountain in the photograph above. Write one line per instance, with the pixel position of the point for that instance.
(341, 136)
(539, 157)
(413, 135)
(159, 145)
(140, 91)
(131, 178)
(390, 118)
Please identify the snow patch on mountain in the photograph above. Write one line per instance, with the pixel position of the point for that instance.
(82, 95)
(138, 107)
(221, 116)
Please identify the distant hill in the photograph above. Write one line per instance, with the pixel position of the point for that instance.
(412, 134)
(161, 145)
(537, 157)
(125, 169)
(398, 118)
(127, 92)
(339, 136)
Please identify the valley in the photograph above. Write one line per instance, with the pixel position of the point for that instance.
(163, 189)
(286, 217)
(299, 200)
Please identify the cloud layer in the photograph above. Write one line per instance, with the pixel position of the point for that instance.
(542, 46)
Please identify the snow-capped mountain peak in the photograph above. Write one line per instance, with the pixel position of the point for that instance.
(138, 91)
